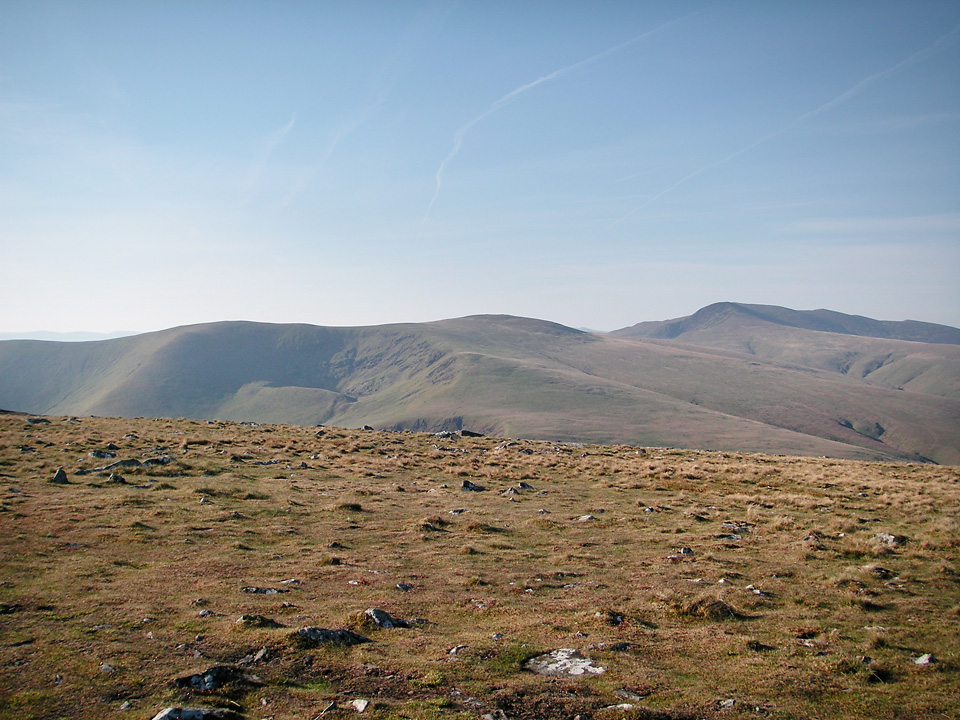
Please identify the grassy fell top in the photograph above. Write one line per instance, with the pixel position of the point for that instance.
(790, 586)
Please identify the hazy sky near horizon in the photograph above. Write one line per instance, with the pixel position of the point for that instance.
(358, 163)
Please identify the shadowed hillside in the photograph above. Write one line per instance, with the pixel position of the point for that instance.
(518, 377)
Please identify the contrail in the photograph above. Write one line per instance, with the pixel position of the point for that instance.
(916, 57)
(517, 92)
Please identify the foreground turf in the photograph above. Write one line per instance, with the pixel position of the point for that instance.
(704, 584)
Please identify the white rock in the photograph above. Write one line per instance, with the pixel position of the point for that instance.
(360, 704)
(564, 662)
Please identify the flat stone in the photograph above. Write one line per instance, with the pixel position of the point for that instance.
(565, 662)
(315, 636)
(925, 659)
(360, 704)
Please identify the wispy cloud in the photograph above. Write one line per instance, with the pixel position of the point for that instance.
(861, 86)
(273, 140)
(518, 92)
(303, 178)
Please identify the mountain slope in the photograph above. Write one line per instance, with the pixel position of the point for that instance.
(728, 313)
(498, 374)
(889, 354)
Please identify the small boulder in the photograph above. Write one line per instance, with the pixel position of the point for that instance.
(360, 704)
(60, 478)
(925, 659)
(565, 662)
(472, 487)
(257, 621)
(382, 619)
(308, 637)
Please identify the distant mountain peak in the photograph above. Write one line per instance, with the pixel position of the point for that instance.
(731, 313)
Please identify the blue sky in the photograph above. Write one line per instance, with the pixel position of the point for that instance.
(358, 163)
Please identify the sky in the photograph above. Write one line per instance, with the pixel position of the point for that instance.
(164, 163)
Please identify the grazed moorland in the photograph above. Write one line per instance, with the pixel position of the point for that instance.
(706, 584)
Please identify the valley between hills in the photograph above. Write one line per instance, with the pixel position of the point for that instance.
(730, 377)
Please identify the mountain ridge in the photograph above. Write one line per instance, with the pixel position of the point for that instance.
(817, 320)
(520, 377)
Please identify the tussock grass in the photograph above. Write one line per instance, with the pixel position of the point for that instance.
(702, 577)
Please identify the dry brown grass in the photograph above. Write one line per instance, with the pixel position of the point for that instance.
(702, 577)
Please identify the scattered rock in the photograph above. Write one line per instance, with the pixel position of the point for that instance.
(128, 463)
(925, 659)
(216, 677)
(264, 590)
(360, 704)
(881, 572)
(565, 662)
(102, 454)
(382, 619)
(308, 637)
(404, 587)
(891, 540)
(726, 704)
(627, 695)
(60, 478)
(195, 713)
(257, 621)
(470, 433)
(585, 518)
(37, 421)
(256, 657)
(472, 487)
(162, 460)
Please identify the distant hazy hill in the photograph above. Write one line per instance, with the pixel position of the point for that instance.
(518, 377)
(729, 314)
(922, 357)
